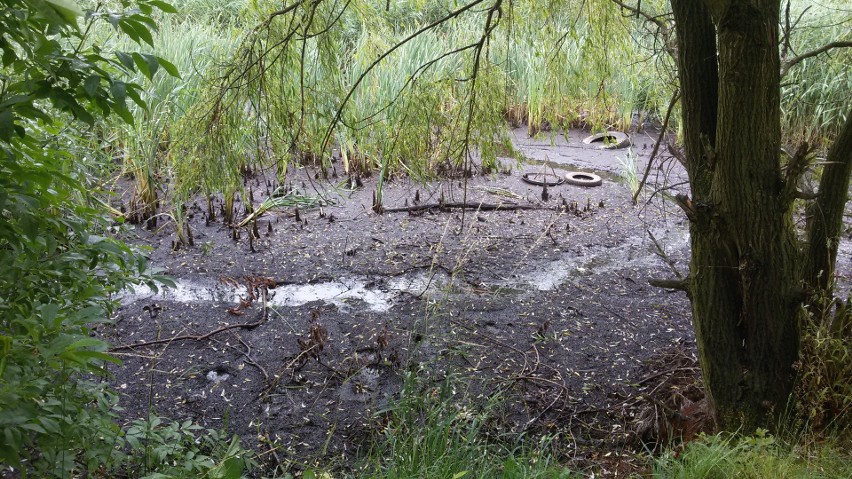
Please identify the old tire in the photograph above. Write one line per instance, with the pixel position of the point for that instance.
(542, 179)
(609, 140)
(581, 178)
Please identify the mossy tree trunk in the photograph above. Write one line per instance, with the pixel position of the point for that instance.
(746, 270)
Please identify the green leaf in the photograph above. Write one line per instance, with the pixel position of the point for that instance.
(166, 281)
(133, 93)
(49, 312)
(67, 9)
(34, 428)
(29, 111)
(129, 29)
(122, 111)
(86, 343)
(169, 67)
(91, 84)
(113, 19)
(136, 30)
(7, 125)
(9, 56)
(50, 424)
(51, 14)
(232, 468)
(127, 60)
(14, 100)
(147, 64)
(166, 7)
(119, 92)
(98, 355)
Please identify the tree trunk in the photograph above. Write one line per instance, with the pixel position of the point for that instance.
(825, 217)
(743, 272)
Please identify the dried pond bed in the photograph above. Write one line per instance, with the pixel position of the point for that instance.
(550, 306)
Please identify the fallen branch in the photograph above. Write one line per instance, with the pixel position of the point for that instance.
(200, 337)
(677, 284)
(668, 371)
(465, 206)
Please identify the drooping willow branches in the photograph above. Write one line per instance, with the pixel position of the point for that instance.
(355, 86)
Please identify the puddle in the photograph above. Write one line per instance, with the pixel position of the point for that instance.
(378, 295)
(636, 252)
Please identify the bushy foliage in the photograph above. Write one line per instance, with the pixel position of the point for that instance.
(824, 382)
(169, 449)
(59, 266)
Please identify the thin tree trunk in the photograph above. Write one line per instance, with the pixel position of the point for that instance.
(825, 217)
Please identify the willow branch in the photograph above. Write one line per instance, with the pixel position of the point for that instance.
(672, 104)
(804, 56)
(387, 53)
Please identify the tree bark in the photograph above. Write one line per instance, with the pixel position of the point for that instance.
(744, 253)
(748, 187)
(825, 217)
(711, 268)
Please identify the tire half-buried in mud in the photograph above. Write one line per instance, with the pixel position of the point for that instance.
(581, 178)
(609, 140)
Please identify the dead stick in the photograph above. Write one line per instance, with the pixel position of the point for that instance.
(667, 371)
(188, 336)
(675, 98)
(662, 254)
(471, 206)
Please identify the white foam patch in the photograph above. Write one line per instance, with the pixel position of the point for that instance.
(340, 292)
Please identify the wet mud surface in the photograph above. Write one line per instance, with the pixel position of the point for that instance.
(549, 307)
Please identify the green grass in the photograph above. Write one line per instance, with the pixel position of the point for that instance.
(628, 170)
(756, 457)
(195, 42)
(436, 432)
(815, 93)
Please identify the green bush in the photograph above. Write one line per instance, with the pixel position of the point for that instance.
(161, 449)
(824, 380)
(59, 266)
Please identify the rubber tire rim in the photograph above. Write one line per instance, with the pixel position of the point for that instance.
(581, 178)
(527, 177)
(620, 140)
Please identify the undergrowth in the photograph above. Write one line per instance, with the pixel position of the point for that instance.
(824, 382)
(755, 457)
(436, 431)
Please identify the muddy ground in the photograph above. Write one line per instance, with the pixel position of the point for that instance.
(549, 307)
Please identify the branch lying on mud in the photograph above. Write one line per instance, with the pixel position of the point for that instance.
(200, 337)
(465, 206)
(677, 284)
